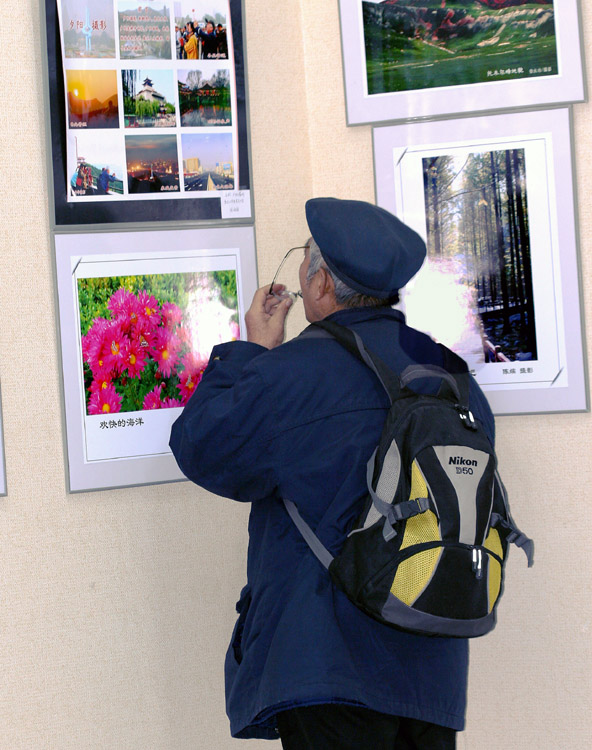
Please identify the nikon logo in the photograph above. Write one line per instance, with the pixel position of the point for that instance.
(460, 461)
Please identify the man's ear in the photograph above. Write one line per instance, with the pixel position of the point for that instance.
(326, 285)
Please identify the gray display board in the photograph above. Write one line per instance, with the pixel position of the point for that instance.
(408, 60)
(139, 313)
(141, 131)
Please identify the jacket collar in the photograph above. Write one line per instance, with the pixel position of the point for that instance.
(361, 314)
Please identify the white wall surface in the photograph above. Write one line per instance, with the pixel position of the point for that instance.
(116, 607)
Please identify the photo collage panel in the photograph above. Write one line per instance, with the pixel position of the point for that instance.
(150, 99)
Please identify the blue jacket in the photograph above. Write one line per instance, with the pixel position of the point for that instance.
(300, 421)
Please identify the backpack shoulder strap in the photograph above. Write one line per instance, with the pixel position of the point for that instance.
(453, 373)
(353, 343)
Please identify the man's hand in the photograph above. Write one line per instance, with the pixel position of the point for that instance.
(266, 318)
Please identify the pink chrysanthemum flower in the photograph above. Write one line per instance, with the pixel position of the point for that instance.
(105, 401)
(114, 341)
(191, 375)
(165, 351)
(96, 347)
(99, 384)
(170, 403)
(134, 355)
(130, 313)
(171, 315)
(152, 399)
(148, 309)
(118, 301)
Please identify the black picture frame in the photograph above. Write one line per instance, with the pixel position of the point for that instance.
(71, 214)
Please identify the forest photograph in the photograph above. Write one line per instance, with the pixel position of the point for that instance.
(476, 213)
(420, 44)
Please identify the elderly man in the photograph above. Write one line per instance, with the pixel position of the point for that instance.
(299, 421)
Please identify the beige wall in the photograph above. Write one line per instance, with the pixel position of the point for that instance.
(116, 607)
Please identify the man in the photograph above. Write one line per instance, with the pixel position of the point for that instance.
(209, 42)
(103, 181)
(222, 40)
(299, 421)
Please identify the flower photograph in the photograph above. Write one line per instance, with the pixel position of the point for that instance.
(146, 340)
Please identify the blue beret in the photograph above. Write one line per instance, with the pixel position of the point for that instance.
(367, 247)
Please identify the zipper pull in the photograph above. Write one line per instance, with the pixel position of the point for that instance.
(477, 563)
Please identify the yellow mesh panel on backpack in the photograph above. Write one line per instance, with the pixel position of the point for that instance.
(494, 544)
(419, 487)
(423, 527)
(415, 573)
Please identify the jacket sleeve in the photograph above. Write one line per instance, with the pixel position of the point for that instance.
(221, 439)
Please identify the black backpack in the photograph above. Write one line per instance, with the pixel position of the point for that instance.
(427, 552)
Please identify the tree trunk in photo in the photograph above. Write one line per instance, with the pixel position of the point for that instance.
(426, 192)
(526, 260)
(437, 227)
(500, 244)
(514, 278)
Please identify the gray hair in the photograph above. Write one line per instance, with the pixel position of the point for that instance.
(344, 295)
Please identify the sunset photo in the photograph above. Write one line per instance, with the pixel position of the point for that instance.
(92, 98)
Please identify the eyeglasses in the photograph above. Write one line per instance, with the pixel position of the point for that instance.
(285, 293)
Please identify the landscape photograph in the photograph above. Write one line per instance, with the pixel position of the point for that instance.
(88, 29)
(144, 30)
(148, 98)
(204, 99)
(477, 222)
(208, 161)
(420, 44)
(152, 163)
(92, 98)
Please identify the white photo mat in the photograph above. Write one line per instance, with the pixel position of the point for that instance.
(529, 87)
(552, 378)
(130, 447)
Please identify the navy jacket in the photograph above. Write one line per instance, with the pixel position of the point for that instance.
(300, 421)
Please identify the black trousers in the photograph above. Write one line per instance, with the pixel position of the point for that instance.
(340, 727)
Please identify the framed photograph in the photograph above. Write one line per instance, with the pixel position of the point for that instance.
(147, 112)
(411, 59)
(493, 197)
(139, 314)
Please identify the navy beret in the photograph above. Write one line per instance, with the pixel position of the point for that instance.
(365, 246)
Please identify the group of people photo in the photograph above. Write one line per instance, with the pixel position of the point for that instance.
(201, 41)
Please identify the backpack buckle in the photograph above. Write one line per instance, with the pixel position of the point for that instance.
(466, 417)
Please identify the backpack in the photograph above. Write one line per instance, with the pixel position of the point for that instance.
(428, 551)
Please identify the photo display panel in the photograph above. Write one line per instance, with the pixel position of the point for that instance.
(148, 111)
(139, 316)
(408, 59)
(493, 199)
